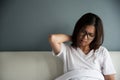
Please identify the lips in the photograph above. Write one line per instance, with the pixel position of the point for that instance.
(82, 41)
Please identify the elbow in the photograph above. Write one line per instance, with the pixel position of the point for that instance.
(51, 37)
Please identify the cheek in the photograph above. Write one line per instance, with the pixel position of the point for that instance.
(90, 41)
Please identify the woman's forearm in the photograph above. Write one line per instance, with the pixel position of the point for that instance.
(109, 77)
(59, 38)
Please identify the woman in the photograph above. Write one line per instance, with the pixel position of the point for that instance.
(85, 58)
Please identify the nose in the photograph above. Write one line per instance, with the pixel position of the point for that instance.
(85, 37)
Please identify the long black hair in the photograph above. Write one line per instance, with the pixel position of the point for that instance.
(89, 19)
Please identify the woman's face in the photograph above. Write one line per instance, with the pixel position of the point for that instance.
(86, 36)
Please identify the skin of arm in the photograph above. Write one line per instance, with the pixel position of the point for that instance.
(109, 77)
(55, 41)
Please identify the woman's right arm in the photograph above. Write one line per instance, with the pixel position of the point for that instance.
(55, 41)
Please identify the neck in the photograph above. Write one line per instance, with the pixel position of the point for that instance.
(85, 49)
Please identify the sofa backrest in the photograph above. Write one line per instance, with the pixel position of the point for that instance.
(41, 65)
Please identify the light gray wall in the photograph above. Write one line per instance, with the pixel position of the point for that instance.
(26, 24)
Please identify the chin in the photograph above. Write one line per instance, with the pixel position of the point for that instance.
(84, 44)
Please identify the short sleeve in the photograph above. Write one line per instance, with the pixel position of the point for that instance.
(62, 52)
(107, 67)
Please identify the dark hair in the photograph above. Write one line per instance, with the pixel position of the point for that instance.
(89, 19)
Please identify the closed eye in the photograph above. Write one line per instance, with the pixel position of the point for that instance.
(91, 34)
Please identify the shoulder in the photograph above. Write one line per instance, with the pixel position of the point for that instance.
(102, 50)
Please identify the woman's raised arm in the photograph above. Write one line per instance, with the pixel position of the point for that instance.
(55, 41)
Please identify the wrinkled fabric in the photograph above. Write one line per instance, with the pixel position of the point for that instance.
(81, 75)
(75, 59)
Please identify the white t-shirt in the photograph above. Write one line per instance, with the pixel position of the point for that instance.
(75, 59)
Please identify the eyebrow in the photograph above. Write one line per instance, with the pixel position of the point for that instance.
(90, 33)
(87, 32)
